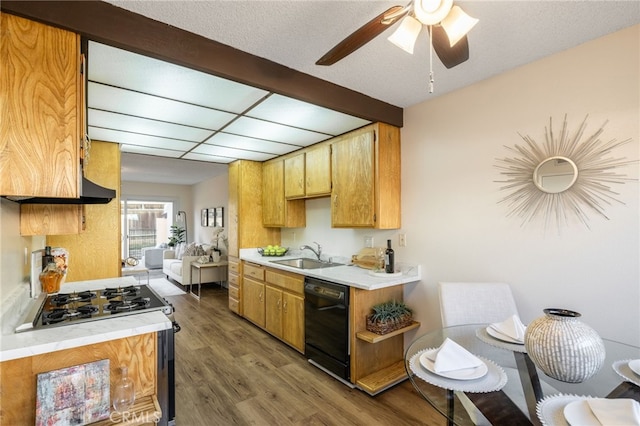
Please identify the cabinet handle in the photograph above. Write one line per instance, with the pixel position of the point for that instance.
(278, 304)
(260, 297)
(284, 306)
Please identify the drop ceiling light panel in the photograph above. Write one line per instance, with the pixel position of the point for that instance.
(131, 71)
(127, 123)
(250, 144)
(157, 108)
(291, 112)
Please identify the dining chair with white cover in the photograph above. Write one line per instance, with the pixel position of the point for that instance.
(480, 303)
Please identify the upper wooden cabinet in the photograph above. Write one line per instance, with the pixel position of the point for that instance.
(244, 224)
(308, 174)
(41, 109)
(276, 210)
(365, 168)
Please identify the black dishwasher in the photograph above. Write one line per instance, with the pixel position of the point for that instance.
(326, 312)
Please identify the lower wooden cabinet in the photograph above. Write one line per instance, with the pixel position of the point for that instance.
(274, 300)
(284, 316)
(253, 307)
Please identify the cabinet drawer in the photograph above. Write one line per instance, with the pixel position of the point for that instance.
(234, 280)
(254, 271)
(234, 292)
(234, 305)
(234, 267)
(286, 280)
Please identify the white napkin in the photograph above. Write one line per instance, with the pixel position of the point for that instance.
(615, 412)
(511, 327)
(450, 356)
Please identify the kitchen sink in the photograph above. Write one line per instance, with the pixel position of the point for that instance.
(305, 263)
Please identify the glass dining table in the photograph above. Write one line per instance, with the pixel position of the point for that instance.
(509, 394)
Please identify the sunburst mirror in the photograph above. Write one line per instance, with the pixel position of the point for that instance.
(568, 175)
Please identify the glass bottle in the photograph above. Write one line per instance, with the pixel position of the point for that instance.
(389, 259)
(50, 278)
(124, 393)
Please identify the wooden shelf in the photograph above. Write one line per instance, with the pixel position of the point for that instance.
(383, 379)
(371, 337)
(145, 411)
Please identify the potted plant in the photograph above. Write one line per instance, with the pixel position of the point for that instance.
(177, 235)
(389, 316)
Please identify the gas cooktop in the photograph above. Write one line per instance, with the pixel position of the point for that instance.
(91, 305)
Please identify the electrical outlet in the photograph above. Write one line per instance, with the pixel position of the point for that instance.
(402, 240)
(368, 241)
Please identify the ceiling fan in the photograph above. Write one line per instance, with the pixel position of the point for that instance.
(448, 26)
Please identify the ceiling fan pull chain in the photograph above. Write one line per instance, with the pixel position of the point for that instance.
(431, 79)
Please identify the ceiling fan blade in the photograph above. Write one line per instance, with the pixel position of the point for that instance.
(450, 56)
(363, 35)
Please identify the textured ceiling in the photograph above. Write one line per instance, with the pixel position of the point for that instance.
(296, 33)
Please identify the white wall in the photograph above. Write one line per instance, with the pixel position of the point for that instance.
(213, 192)
(459, 232)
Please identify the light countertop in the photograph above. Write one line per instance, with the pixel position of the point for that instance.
(39, 341)
(346, 274)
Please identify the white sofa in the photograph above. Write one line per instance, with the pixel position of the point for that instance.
(178, 268)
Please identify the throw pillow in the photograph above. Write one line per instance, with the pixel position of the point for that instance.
(190, 250)
(179, 250)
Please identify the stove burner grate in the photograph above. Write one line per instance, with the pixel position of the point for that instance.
(61, 299)
(62, 314)
(115, 306)
(130, 291)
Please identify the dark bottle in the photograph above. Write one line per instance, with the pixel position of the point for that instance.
(389, 259)
(47, 258)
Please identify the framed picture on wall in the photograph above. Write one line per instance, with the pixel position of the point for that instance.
(219, 217)
(204, 217)
(212, 216)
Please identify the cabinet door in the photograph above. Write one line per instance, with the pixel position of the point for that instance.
(273, 193)
(294, 177)
(40, 126)
(352, 196)
(273, 311)
(293, 320)
(51, 219)
(253, 300)
(318, 171)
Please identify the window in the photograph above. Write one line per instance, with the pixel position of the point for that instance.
(144, 224)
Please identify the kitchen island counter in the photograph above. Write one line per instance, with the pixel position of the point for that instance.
(350, 275)
(40, 341)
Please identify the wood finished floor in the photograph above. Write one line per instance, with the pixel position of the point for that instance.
(229, 372)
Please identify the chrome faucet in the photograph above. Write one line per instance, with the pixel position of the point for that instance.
(317, 253)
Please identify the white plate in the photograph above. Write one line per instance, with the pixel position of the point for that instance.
(578, 413)
(464, 374)
(634, 365)
(496, 334)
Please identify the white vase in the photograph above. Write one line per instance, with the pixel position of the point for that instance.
(563, 347)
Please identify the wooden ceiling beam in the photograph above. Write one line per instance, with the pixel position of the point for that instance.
(108, 24)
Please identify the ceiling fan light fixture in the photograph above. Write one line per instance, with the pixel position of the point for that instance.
(431, 12)
(406, 35)
(457, 24)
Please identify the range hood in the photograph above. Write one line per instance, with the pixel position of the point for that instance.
(91, 193)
